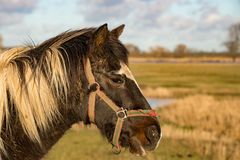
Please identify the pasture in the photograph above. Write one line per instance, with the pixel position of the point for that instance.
(202, 124)
(88, 144)
(216, 79)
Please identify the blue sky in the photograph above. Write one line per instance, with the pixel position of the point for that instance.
(201, 24)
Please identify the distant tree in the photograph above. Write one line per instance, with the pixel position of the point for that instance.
(158, 51)
(133, 49)
(233, 43)
(181, 50)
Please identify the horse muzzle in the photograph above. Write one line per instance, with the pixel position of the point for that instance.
(146, 136)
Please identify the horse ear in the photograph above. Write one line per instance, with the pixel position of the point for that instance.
(100, 35)
(118, 31)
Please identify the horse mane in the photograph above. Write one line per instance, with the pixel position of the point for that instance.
(32, 79)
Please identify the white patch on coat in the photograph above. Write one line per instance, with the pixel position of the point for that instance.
(158, 142)
(125, 70)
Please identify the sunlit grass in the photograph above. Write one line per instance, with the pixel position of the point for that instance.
(219, 116)
(214, 79)
(210, 125)
(88, 144)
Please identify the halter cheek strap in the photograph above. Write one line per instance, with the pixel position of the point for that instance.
(121, 113)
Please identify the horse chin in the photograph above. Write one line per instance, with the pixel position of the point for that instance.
(135, 147)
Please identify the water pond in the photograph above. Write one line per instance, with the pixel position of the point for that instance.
(161, 102)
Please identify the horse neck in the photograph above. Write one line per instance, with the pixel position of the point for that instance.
(71, 111)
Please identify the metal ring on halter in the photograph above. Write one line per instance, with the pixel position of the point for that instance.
(93, 87)
(122, 113)
(116, 149)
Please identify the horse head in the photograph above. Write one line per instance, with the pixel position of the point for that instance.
(115, 102)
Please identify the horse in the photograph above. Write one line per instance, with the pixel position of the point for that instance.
(78, 76)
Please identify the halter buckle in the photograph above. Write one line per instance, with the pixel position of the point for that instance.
(122, 113)
(93, 87)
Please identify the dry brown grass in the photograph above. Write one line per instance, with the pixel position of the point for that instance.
(205, 143)
(221, 117)
(211, 126)
(158, 92)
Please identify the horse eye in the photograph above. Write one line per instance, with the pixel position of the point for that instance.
(117, 80)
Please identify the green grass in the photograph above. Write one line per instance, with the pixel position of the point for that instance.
(215, 79)
(88, 144)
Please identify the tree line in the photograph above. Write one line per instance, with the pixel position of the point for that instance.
(232, 45)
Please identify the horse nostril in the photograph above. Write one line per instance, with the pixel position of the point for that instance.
(153, 134)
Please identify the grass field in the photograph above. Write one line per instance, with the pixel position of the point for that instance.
(88, 144)
(210, 125)
(184, 79)
(202, 124)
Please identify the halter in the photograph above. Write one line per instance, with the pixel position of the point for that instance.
(121, 113)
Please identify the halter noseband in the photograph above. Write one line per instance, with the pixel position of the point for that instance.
(121, 113)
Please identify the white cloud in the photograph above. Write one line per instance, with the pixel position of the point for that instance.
(6, 19)
(134, 12)
(211, 20)
(13, 11)
(148, 22)
(17, 5)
